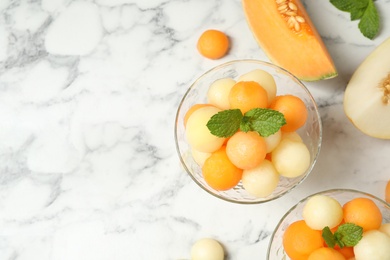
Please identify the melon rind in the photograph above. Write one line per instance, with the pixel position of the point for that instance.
(302, 53)
(363, 96)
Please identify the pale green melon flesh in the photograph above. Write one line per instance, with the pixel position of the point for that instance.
(364, 98)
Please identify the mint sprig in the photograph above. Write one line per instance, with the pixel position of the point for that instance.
(262, 120)
(347, 234)
(364, 10)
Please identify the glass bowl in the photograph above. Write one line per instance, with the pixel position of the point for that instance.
(275, 248)
(311, 132)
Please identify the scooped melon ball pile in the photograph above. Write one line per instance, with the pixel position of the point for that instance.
(329, 230)
(246, 155)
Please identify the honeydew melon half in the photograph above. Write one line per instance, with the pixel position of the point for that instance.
(284, 31)
(367, 95)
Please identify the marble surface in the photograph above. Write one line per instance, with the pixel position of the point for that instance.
(88, 97)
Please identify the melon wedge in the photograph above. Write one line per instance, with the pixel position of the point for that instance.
(367, 95)
(284, 31)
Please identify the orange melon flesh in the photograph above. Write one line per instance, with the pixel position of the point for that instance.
(301, 52)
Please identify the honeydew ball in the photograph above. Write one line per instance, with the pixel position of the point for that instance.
(207, 249)
(385, 228)
(260, 181)
(199, 157)
(265, 79)
(198, 135)
(293, 136)
(273, 140)
(218, 93)
(322, 211)
(373, 245)
(291, 159)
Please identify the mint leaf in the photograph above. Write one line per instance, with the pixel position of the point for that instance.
(327, 235)
(364, 10)
(225, 123)
(369, 23)
(347, 234)
(348, 5)
(264, 121)
(350, 234)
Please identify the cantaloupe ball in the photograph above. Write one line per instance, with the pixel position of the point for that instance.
(265, 79)
(262, 180)
(322, 211)
(293, 136)
(218, 93)
(199, 157)
(373, 245)
(207, 249)
(198, 135)
(385, 228)
(291, 159)
(273, 140)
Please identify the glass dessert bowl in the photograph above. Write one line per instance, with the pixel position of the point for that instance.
(286, 84)
(276, 249)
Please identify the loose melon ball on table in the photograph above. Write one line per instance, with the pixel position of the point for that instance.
(198, 135)
(291, 159)
(207, 249)
(246, 95)
(262, 180)
(265, 80)
(246, 150)
(293, 109)
(213, 44)
(373, 245)
(363, 212)
(219, 172)
(218, 93)
(322, 211)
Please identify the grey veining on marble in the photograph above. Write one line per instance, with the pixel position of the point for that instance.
(88, 97)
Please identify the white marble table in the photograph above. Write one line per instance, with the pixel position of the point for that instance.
(88, 96)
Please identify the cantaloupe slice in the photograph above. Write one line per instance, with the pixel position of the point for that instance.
(284, 31)
(367, 95)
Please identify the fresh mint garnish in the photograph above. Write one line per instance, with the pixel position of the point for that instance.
(364, 10)
(225, 123)
(347, 234)
(262, 120)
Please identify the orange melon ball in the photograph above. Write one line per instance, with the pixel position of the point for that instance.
(246, 150)
(363, 212)
(219, 172)
(213, 44)
(293, 109)
(246, 95)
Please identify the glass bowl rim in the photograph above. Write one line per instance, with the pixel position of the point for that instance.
(348, 190)
(263, 63)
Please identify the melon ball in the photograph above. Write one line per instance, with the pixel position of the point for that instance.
(198, 135)
(291, 159)
(273, 140)
(265, 79)
(293, 136)
(207, 249)
(200, 157)
(260, 181)
(385, 228)
(218, 93)
(322, 211)
(373, 245)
